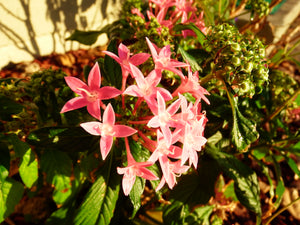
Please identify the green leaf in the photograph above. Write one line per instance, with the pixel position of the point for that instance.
(192, 61)
(99, 203)
(28, 167)
(4, 161)
(200, 215)
(58, 168)
(8, 108)
(292, 164)
(112, 70)
(85, 37)
(193, 189)
(135, 194)
(11, 192)
(200, 35)
(244, 130)
(245, 179)
(280, 188)
(68, 139)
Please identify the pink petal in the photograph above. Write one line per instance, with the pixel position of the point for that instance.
(133, 90)
(138, 75)
(94, 79)
(161, 183)
(147, 174)
(154, 122)
(153, 78)
(173, 108)
(160, 103)
(109, 115)
(92, 127)
(165, 93)
(123, 131)
(75, 84)
(108, 92)
(165, 52)
(167, 134)
(127, 183)
(123, 52)
(152, 49)
(105, 145)
(112, 55)
(139, 58)
(94, 109)
(74, 103)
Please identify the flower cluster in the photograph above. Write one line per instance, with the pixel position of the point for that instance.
(172, 130)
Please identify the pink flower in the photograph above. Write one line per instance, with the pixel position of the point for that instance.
(163, 59)
(89, 95)
(164, 119)
(107, 130)
(134, 169)
(191, 84)
(174, 169)
(125, 58)
(193, 141)
(146, 87)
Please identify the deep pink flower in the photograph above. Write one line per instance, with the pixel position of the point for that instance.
(89, 95)
(134, 169)
(163, 59)
(191, 85)
(107, 130)
(125, 58)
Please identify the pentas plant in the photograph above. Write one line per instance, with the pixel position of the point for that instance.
(172, 130)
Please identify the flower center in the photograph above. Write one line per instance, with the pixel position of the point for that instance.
(164, 118)
(91, 96)
(107, 130)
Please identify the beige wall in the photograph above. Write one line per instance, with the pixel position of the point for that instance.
(39, 27)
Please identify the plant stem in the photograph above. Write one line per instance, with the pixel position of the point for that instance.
(280, 211)
(286, 103)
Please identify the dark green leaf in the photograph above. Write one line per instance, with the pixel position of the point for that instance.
(191, 60)
(58, 168)
(112, 70)
(85, 37)
(280, 188)
(99, 203)
(243, 130)
(245, 179)
(200, 215)
(200, 35)
(11, 192)
(136, 193)
(68, 139)
(8, 108)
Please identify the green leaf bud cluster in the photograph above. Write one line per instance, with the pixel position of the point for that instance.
(239, 58)
(260, 7)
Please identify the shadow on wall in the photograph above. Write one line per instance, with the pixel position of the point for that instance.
(66, 12)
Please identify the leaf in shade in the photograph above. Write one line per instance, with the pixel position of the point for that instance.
(4, 161)
(8, 107)
(84, 37)
(245, 179)
(191, 60)
(200, 35)
(99, 203)
(58, 168)
(112, 70)
(68, 139)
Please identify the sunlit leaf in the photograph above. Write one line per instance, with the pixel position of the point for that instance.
(11, 192)
(85, 37)
(200, 35)
(28, 167)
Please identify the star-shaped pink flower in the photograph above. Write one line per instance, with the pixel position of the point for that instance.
(163, 59)
(107, 130)
(134, 169)
(125, 58)
(89, 95)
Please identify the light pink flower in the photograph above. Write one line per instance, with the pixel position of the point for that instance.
(164, 119)
(125, 58)
(174, 169)
(146, 87)
(107, 130)
(89, 95)
(134, 169)
(163, 59)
